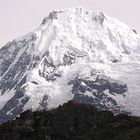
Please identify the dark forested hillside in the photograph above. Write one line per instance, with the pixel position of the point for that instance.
(72, 121)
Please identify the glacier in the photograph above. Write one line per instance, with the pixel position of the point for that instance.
(75, 54)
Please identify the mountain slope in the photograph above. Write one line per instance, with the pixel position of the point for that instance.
(74, 54)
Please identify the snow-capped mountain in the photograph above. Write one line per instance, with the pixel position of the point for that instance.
(75, 54)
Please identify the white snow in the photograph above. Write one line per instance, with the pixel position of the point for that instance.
(87, 93)
(6, 97)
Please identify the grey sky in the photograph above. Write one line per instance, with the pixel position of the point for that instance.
(18, 17)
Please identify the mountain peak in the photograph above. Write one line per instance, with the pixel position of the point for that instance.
(77, 25)
(73, 12)
(75, 54)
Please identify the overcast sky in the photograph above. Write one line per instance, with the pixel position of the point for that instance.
(18, 17)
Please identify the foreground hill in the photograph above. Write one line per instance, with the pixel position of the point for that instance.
(72, 121)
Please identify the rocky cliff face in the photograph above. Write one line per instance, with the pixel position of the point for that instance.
(75, 54)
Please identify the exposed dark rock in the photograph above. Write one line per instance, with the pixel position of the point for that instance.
(98, 89)
(134, 31)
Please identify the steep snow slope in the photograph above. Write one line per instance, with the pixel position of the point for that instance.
(74, 54)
